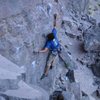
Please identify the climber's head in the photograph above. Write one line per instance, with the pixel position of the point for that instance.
(50, 36)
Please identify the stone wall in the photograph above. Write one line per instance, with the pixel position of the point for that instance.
(24, 25)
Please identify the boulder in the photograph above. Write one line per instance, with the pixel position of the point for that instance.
(76, 90)
(2, 98)
(68, 95)
(91, 39)
(26, 92)
(69, 63)
(84, 76)
(96, 68)
(10, 74)
(88, 98)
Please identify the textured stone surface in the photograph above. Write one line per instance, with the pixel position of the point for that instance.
(9, 7)
(92, 40)
(24, 25)
(83, 74)
(88, 98)
(76, 90)
(10, 74)
(25, 92)
(92, 46)
(68, 96)
(1, 98)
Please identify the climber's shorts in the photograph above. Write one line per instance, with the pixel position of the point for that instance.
(51, 59)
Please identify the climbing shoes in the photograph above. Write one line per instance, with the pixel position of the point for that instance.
(43, 76)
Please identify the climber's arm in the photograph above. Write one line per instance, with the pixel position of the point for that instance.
(54, 31)
(47, 47)
(44, 50)
(54, 23)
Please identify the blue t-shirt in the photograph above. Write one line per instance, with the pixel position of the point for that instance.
(53, 44)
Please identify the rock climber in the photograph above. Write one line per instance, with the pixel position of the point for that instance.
(53, 46)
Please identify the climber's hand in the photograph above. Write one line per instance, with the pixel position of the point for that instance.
(35, 51)
(44, 50)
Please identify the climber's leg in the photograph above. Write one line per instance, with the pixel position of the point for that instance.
(49, 63)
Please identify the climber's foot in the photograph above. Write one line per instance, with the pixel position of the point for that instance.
(51, 67)
(43, 76)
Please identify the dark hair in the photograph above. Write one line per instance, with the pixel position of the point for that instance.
(60, 97)
(50, 36)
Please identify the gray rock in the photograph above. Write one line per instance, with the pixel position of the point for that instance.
(3, 27)
(69, 63)
(84, 25)
(10, 74)
(92, 46)
(88, 98)
(70, 35)
(76, 90)
(26, 92)
(96, 68)
(8, 84)
(92, 21)
(76, 7)
(70, 75)
(91, 39)
(85, 17)
(68, 96)
(86, 86)
(2, 98)
(22, 25)
(56, 95)
(7, 11)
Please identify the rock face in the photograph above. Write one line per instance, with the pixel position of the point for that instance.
(92, 45)
(9, 74)
(21, 93)
(92, 40)
(24, 25)
(12, 87)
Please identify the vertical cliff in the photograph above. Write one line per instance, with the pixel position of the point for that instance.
(24, 25)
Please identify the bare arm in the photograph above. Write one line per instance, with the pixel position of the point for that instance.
(44, 50)
(55, 17)
(54, 25)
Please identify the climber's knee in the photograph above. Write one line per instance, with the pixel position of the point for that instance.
(50, 60)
